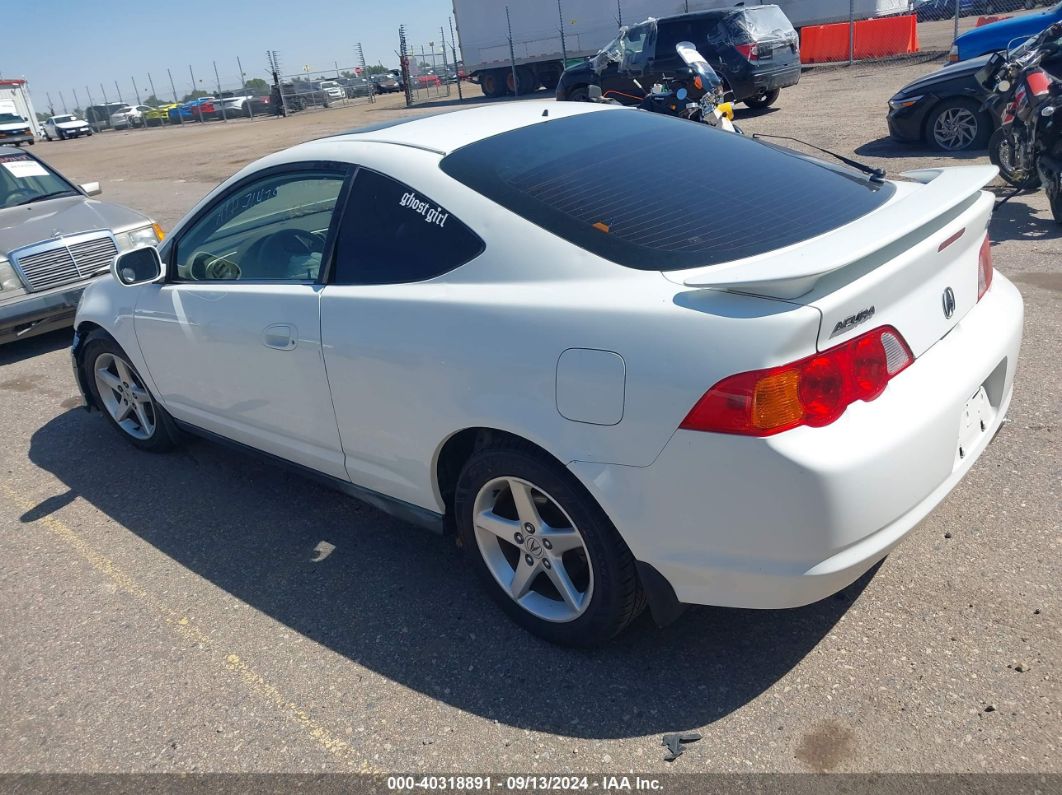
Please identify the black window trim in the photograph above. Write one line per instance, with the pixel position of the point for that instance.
(336, 167)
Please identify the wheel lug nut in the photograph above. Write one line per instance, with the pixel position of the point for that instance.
(547, 564)
(530, 560)
(519, 538)
(546, 543)
(530, 528)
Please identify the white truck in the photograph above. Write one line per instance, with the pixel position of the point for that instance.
(18, 114)
(588, 25)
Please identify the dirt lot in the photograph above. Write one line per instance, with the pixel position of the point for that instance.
(163, 613)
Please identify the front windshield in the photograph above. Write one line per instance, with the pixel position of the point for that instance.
(24, 179)
(63, 119)
(10, 118)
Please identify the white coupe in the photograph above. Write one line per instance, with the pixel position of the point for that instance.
(625, 359)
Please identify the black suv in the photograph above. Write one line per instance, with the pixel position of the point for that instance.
(755, 51)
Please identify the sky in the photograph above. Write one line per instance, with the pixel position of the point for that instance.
(73, 45)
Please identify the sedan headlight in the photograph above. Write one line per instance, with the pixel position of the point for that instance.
(8, 278)
(136, 238)
(899, 102)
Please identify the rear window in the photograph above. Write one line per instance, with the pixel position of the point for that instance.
(654, 193)
(762, 23)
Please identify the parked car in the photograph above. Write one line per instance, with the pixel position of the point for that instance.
(99, 116)
(159, 115)
(15, 130)
(428, 80)
(929, 10)
(332, 89)
(944, 109)
(129, 116)
(246, 106)
(386, 84)
(301, 94)
(591, 451)
(54, 241)
(200, 109)
(755, 50)
(1002, 34)
(355, 87)
(65, 126)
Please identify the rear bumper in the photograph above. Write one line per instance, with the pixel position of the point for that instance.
(38, 313)
(785, 521)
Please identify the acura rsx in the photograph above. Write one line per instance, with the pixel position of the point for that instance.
(734, 375)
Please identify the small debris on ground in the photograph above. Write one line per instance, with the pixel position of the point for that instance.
(676, 744)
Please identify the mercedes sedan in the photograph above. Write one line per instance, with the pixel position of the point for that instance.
(738, 376)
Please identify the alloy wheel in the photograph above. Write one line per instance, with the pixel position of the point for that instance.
(955, 129)
(533, 549)
(125, 397)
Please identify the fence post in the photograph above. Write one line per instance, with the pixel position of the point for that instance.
(224, 116)
(851, 32)
(119, 90)
(198, 104)
(403, 57)
(453, 49)
(173, 88)
(955, 32)
(564, 43)
(77, 101)
(51, 105)
(512, 53)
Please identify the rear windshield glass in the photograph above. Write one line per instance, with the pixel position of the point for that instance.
(765, 22)
(655, 193)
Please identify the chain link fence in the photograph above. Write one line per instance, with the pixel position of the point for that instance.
(223, 91)
(429, 71)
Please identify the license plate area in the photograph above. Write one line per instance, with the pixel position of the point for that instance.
(974, 423)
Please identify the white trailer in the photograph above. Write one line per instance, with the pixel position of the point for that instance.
(15, 98)
(589, 25)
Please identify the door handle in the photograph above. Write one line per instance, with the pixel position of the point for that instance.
(280, 337)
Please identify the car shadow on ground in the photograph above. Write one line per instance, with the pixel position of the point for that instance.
(1015, 219)
(403, 603)
(889, 148)
(21, 350)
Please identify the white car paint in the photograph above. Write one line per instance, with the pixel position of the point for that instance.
(382, 376)
(66, 127)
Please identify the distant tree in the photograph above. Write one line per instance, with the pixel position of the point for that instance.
(42, 117)
(257, 84)
(347, 73)
(194, 95)
(154, 101)
(377, 70)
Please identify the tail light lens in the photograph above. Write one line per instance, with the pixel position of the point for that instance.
(814, 391)
(984, 268)
(748, 51)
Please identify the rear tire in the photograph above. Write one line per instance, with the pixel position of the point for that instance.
(580, 94)
(120, 393)
(524, 83)
(511, 500)
(764, 100)
(492, 84)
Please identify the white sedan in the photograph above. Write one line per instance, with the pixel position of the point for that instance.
(66, 126)
(625, 359)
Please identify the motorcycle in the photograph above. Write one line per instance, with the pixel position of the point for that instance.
(697, 95)
(1027, 146)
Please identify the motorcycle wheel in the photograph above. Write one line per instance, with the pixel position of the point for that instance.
(1000, 152)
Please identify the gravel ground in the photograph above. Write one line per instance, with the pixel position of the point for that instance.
(165, 613)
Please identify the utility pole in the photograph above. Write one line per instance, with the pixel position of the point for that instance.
(198, 104)
(173, 88)
(136, 90)
(403, 55)
(564, 43)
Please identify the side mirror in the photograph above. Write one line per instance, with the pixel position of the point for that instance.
(594, 92)
(139, 266)
(92, 189)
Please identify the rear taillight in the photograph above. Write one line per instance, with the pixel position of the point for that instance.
(748, 51)
(984, 268)
(814, 391)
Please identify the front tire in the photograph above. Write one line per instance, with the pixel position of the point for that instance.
(126, 402)
(544, 549)
(1001, 153)
(764, 100)
(957, 125)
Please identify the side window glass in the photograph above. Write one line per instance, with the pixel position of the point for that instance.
(270, 230)
(392, 234)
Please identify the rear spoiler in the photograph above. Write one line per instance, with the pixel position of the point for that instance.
(791, 272)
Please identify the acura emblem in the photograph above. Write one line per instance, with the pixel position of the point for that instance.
(949, 303)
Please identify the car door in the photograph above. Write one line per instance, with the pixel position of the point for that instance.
(621, 80)
(232, 338)
(383, 318)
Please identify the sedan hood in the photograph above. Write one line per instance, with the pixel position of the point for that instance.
(960, 69)
(71, 125)
(33, 223)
